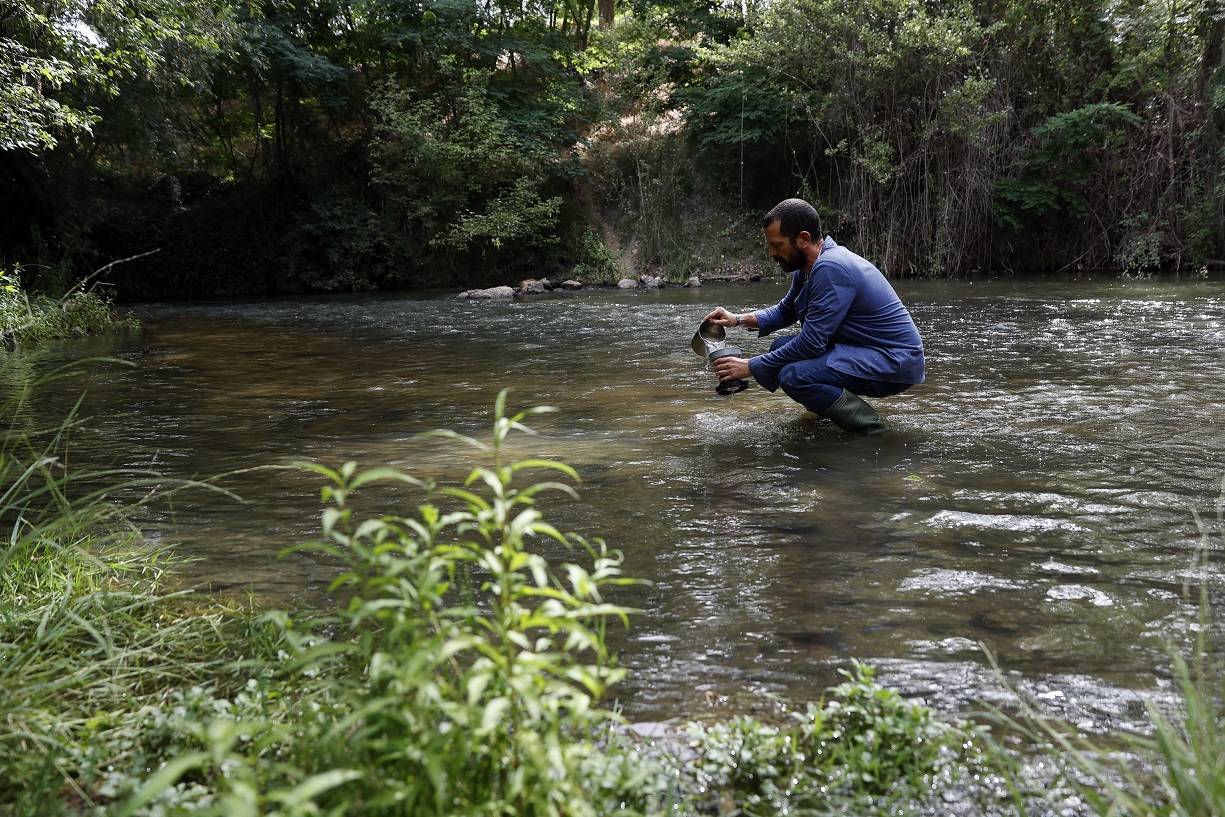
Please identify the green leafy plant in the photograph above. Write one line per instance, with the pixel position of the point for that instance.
(597, 262)
(865, 748)
(26, 319)
(464, 670)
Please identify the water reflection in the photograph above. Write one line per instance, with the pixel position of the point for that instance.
(1035, 495)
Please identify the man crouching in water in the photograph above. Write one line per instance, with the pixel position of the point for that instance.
(855, 336)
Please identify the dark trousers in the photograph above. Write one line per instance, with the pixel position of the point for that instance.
(815, 386)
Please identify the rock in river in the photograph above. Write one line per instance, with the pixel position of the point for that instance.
(627, 283)
(488, 294)
(694, 281)
(532, 287)
(651, 281)
(571, 284)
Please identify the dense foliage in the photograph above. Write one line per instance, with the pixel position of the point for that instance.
(31, 319)
(284, 145)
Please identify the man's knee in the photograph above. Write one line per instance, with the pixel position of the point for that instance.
(790, 379)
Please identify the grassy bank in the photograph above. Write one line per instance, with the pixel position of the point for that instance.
(31, 318)
(464, 671)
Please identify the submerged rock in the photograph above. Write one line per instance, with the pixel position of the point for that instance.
(627, 283)
(571, 284)
(694, 281)
(488, 294)
(1079, 592)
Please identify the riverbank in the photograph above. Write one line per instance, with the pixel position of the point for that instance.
(468, 670)
(32, 319)
(464, 674)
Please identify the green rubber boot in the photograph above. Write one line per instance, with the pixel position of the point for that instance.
(851, 413)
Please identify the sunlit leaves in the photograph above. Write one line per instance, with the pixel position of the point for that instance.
(456, 612)
(59, 61)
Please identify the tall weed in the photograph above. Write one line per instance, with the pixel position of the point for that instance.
(462, 674)
(26, 319)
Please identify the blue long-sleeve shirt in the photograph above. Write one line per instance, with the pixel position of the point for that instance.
(847, 309)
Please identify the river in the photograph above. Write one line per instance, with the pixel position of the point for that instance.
(1036, 495)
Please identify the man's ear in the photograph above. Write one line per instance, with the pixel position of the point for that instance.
(803, 239)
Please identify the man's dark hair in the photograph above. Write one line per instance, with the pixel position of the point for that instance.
(794, 216)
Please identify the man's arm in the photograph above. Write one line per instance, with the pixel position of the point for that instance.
(833, 292)
(779, 316)
(722, 317)
(767, 320)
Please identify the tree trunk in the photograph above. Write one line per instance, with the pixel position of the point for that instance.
(1211, 60)
(606, 14)
(584, 31)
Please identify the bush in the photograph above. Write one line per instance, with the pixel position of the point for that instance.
(860, 752)
(465, 187)
(26, 319)
(597, 263)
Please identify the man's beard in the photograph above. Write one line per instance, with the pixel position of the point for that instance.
(792, 261)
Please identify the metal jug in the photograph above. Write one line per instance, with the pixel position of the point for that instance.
(710, 342)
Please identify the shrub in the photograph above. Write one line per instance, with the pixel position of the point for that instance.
(28, 318)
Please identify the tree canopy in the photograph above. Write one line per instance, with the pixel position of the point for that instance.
(286, 145)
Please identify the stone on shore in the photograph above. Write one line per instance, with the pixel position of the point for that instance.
(571, 284)
(488, 294)
(694, 281)
(627, 283)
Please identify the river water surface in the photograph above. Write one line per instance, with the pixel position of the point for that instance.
(1037, 494)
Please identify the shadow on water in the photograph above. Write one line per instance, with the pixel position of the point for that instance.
(1034, 494)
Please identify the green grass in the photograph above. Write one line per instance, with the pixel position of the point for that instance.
(27, 319)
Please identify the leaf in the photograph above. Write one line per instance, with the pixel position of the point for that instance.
(551, 464)
(492, 716)
(547, 530)
(384, 475)
(321, 470)
(368, 528)
(330, 517)
(451, 435)
(499, 405)
(313, 786)
(526, 494)
(475, 500)
(488, 477)
(165, 777)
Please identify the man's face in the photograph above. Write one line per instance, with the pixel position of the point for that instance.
(783, 249)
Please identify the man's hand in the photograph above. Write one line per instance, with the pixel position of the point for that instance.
(721, 317)
(732, 368)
